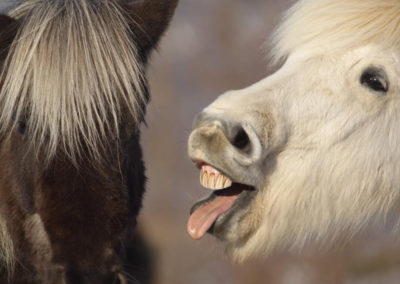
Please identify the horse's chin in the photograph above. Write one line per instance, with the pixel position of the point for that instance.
(219, 214)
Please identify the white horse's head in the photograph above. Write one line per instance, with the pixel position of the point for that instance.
(312, 151)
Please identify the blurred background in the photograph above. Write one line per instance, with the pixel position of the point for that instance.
(213, 46)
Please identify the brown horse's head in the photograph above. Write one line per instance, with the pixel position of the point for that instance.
(72, 94)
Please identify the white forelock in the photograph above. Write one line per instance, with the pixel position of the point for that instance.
(322, 25)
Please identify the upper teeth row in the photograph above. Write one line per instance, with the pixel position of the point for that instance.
(212, 179)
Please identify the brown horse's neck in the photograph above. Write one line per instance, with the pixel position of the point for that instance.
(69, 216)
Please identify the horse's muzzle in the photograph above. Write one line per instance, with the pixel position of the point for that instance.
(224, 140)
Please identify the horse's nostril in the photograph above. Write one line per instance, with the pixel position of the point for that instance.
(241, 140)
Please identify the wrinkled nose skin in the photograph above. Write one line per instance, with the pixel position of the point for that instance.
(227, 144)
(233, 131)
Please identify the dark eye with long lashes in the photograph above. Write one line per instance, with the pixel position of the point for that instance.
(21, 127)
(375, 79)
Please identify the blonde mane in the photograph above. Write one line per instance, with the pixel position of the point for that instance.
(73, 73)
(337, 24)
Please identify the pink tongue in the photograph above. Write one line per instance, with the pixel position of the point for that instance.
(202, 219)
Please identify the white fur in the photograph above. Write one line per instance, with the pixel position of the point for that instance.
(320, 25)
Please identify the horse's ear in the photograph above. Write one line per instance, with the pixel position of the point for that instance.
(8, 30)
(151, 19)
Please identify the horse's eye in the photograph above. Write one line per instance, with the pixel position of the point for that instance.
(375, 79)
(21, 127)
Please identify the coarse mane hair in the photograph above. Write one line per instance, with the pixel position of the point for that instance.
(73, 94)
(337, 25)
(71, 73)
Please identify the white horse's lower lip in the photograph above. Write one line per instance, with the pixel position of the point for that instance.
(205, 213)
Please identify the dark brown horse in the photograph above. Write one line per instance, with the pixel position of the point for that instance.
(72, 95)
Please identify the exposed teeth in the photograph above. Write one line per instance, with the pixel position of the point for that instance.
(220, 182)
(212, 179)
(227, 183)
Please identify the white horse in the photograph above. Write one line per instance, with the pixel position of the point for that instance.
(313, 151)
